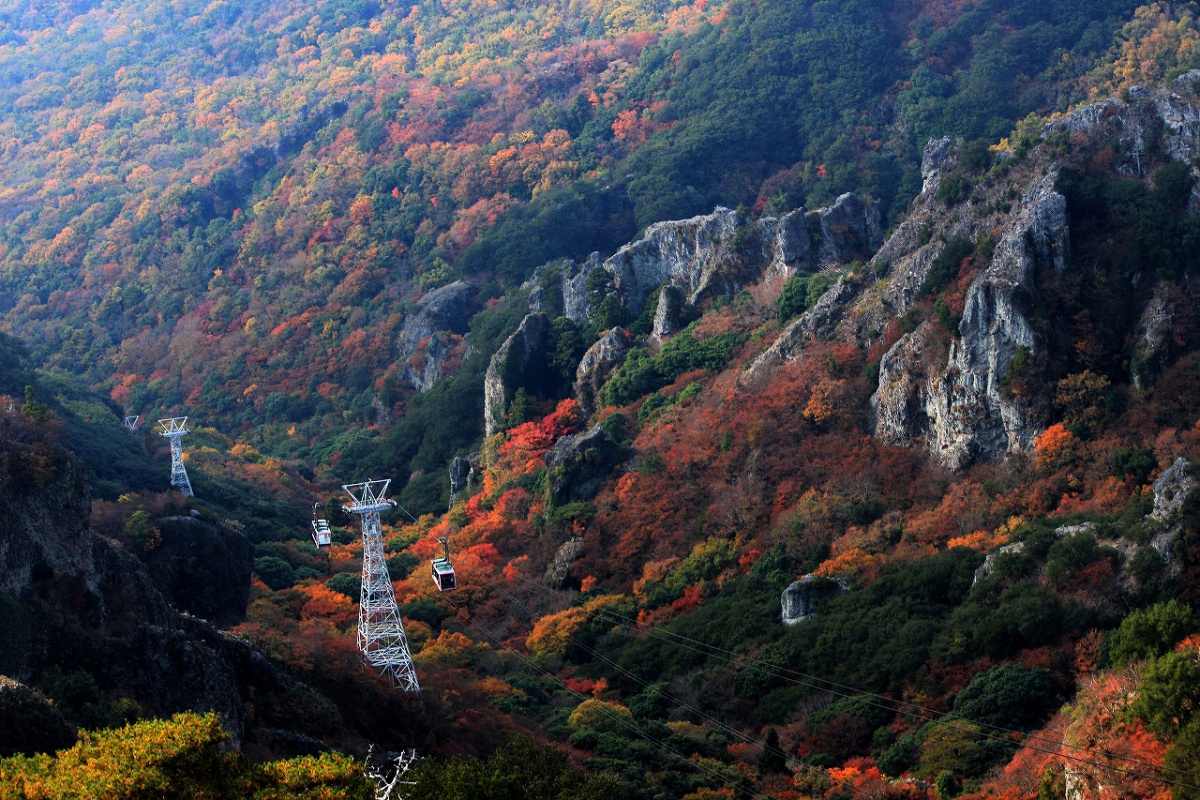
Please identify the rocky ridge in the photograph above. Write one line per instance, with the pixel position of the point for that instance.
(725, 251)
(951, 395)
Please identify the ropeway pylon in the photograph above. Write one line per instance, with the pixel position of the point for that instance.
(380, 632)
(131, 423)
(173, 429)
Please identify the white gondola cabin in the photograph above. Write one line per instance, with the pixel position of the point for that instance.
(443, 575)
(322, 537)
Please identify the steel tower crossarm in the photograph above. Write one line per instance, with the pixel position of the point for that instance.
(380, 630)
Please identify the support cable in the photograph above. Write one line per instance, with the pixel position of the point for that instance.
(924, 714)
(680, 703)
(499, 645)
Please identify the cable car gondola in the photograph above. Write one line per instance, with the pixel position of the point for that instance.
(443, 570)
(320, 529)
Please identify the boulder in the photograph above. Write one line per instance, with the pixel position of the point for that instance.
(427, 337)
(203, 569)
(597, 366)
(1171, 489)
(802, 599)
(989, 562)
(558, 569)
(578, 464)
(521, 362)
(28, 723)
(1152, 349)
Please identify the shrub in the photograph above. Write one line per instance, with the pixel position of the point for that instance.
(952, 189)
(401, 565)
(275, 572)
(1008, 696)
(642, 373)
(794, 297)
(1169, 696)
(348, 583)
(946, 264)
(1134, 462)
(1151, 632)
(976, 156)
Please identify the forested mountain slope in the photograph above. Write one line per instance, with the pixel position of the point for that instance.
(226, 209)
(826, 372)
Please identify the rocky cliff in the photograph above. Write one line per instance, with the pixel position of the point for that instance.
(520, 362)
(433, 334)
(725, 251)
(944, 377)
(959, 407)
(75, 603)
(203, 569)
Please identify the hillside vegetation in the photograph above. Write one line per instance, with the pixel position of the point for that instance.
(953, 418)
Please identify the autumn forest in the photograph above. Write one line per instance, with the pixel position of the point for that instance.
(807, 395)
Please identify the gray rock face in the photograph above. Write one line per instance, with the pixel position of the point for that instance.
(520, 361)
(668, 315)
(802, 599)
(1171, 489)
(596, 366)
(959, 409)
(1169, 116)
(933, 161)
(722, 252)
(989, 562)
(461, 473)
(28, 723)
(560, 567)
(425, 341)
(578, 464)
(202, 569)
(1152, 348)
(574, 287)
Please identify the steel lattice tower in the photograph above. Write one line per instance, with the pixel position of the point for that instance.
(380, 632)
(174, 430)
(131, 423)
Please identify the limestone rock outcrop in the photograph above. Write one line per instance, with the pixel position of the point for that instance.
(722, 252)
(520, 362)
(988, 566)
(668, 314)
(560, 568)
(1171, 489)
(461, 474)
(597, 365)
(1152, 349)
(961, 409)
(803, 598)
(428, 338)
(578, 464)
